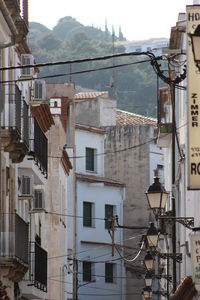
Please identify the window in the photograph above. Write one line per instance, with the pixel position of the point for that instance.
(88, 214)
(109, 272)
(108, 214)
(87, 271)
(90, 154)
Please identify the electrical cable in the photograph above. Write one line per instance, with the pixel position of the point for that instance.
(70, 62)
(73, 73)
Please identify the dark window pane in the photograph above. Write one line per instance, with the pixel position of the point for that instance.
(108, 272)
(87, 271)
(89, 159)
(108, 215)
(87, 214)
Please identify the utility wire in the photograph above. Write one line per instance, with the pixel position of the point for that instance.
(74, 73)
(99, 58)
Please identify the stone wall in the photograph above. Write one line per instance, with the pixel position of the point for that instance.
(129, 163)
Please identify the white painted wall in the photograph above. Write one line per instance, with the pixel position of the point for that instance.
(85, 139)
(96, 251)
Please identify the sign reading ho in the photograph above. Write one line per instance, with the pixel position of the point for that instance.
(195, 253)
(193, 88)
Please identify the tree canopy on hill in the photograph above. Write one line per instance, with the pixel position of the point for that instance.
(134, 85)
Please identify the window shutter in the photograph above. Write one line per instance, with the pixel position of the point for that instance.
(87, 214)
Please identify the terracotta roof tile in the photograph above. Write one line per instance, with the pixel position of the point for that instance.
(128, 118)
(90, 95)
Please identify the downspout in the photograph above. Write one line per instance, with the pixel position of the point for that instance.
(172, 88)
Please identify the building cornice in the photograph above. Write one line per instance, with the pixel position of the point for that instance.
(98, 179)
(90, 129)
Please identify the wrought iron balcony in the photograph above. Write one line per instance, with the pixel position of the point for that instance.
(38, 266)
(15, 124)
(39, 148)
(14, 247)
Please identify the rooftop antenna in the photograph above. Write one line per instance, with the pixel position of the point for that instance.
(112, 79)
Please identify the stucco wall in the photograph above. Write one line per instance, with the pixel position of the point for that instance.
(129, 162)
(96, 112)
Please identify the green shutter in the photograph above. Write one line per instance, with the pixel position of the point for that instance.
(87, 271)
(89, 159)
(109, 272)
(87, 214)
(108, 214)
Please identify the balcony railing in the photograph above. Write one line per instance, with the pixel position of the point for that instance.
(38, 266)
(39, 148)
(14, 242)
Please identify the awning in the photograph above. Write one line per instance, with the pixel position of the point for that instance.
(43, 115)
(186, 290)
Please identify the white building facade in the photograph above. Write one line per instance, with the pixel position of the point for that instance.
(100, 270)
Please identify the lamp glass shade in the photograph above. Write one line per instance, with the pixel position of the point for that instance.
(196, 47)
(149, 261)
(147, 292)
(196, 44)
(157, 200)
(148, 280)
(152, 236)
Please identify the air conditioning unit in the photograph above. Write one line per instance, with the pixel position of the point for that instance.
(38, 200)
(39, 90)
(27, 59)
(26, 186)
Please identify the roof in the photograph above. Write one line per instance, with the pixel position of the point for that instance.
(128, 118)
(98, 179)
(90, 95)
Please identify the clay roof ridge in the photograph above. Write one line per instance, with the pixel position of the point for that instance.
(137, 115)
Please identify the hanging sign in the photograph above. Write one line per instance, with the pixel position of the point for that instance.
(193, 88)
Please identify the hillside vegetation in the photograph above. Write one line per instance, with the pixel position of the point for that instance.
(134, 85)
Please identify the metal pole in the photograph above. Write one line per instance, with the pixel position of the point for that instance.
(172, 89)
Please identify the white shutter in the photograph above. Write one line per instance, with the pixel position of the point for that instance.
(26, 186)
(27, 59)
(39, 90)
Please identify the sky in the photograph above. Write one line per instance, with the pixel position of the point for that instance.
(138, 19)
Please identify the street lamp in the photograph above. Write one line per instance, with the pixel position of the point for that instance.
(147, 292)
(149, 261)
(152, 236)
(195, 37)
(156, 196)
(148, 279)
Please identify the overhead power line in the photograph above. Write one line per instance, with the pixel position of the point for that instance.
(76, 72)
(82, 60)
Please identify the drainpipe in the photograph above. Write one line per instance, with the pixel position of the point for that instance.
(172, 89)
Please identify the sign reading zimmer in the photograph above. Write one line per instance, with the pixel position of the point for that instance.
(193, 87)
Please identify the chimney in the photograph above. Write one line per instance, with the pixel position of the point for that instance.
(25, 11)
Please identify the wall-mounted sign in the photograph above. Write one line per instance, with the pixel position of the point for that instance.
(193, 88)
(195, 255)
